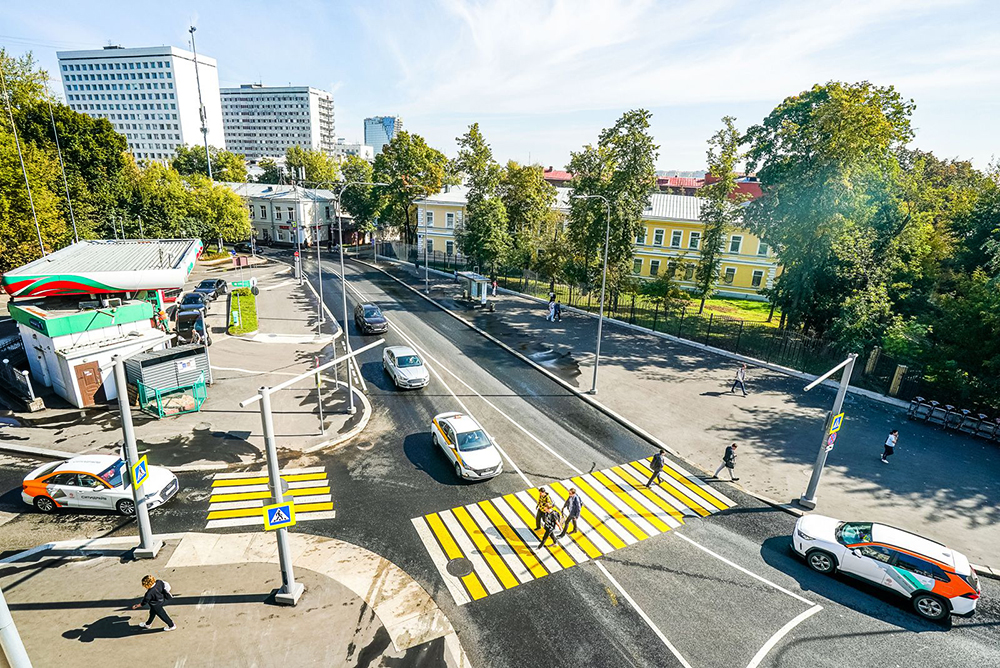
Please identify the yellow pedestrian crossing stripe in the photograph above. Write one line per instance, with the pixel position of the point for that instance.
(487, 547)
(237, 499)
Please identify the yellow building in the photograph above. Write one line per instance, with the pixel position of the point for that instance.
(671, 240)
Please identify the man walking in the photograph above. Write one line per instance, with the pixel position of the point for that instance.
(572, 508)
(552, 311)
(558, 311)
(728, 462)
(741, 377)
(157, 593)
(543, 506)
(551, 521)
(657, 466)
(494, 287)
(890, 446)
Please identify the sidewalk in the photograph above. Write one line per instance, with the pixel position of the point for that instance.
(222, 433)
(72, 605)
(940, 484)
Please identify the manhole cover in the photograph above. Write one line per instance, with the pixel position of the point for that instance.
(459, 567)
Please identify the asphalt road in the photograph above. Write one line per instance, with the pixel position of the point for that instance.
(720, 590)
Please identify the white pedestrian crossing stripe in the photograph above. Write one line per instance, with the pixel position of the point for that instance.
(238, 498)
(498, 537)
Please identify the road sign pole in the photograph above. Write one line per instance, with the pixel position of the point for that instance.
(148, 545)
(290, 589)
(13, 648)
(319, 396)
(808, 500)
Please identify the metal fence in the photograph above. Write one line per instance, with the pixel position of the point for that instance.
(17, 381)
(173, 400)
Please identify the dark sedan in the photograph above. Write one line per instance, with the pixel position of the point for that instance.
(369, 319)
(193, 301)
(212, 288)
(244, 247)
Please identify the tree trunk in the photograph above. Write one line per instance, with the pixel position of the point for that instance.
(781, 325)
(770, 316)
(702, 307)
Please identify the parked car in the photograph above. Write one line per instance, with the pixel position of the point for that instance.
(94, 481)
(191, 328)
(212, 288)
(244, 247)
(369, 319)
(467, 446)
(938, 580)
(192, 301)
(405, 367)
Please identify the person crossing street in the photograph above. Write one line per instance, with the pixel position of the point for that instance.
(657, 466)
(890, 446)
(551, 521)
(543, 506)
(572, 508)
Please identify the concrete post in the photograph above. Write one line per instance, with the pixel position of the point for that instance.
(14, 654)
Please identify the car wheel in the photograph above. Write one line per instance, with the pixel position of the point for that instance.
(458, 471)
(126, 507)
(45, 505)
(930, 607)
(821, 562)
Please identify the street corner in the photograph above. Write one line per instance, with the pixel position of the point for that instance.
(223, 601)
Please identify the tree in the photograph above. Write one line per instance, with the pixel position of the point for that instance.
(218, 210)
(317, 167)
(528, 199)
(621, 168)
(361, 201)
(720, 207)
(226, 165)
(18, 237)
(483, 236)
(663, 290)
(413, 170)
(831, 204)
(272, 171)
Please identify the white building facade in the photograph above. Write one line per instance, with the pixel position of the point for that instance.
(380, 130)
(264, 121)
(280, 213)
(343, 148)
(149, 94)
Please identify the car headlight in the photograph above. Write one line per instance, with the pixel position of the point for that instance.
(803, 535)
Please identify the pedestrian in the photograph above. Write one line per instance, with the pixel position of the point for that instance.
(890, 446)
(551, 521)
(741, 377)
(558, 311)
(657, 466)
(551, 317)
(494, 287)
(157, 593)
(543, 506)
(572, 508)
(728, 462)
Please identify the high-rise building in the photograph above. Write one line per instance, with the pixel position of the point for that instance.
(149, 94)
(263, 121)
(379, 131)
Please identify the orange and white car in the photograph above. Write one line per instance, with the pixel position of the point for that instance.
(938, 580)
(94, 481)
(467, 445)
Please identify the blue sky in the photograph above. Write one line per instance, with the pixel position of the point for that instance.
(543, 77)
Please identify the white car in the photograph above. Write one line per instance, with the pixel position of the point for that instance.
(405, 367)
(938, 580)
(94, 481)
(467, 445)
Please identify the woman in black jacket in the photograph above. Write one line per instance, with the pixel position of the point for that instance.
(157, 593)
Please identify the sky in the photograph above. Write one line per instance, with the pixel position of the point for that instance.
(542, 77)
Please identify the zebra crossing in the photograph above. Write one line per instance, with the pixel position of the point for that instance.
(490, 546)
(237, 499)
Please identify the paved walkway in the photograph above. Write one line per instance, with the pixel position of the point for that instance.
(940, 484)
(72, 605)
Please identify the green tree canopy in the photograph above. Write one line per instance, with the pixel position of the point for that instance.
(361, 201)
(528, 199)
(316, 166)
(272, 171)
(226, 165)
(413, 170)
(483, 236)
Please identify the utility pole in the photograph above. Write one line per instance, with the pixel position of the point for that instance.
(295, 231)
(808, 500)
(24, 170)
(427, 280)
(319, 273)
(604, 279)
(148, 545)
(343, 278)
(201, 105)
(69, 202)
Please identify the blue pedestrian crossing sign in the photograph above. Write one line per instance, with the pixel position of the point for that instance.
(838, 420)
(279, 515)
(140, 472)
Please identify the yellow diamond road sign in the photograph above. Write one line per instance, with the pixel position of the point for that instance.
(838, 420)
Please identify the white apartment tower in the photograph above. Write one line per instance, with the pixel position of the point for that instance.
(149, 94)
(263, 121)
(379, 131)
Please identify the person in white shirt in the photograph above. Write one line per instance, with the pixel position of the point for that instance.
(741, 377)
(890, 445)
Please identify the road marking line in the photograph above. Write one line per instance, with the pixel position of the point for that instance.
(489, 552)
(254, 373)
(259, 503)
(608, 514)
(580, 537)
(642, 613)
(699, 483)
(294, 492)
(620, 491)
(698, 488)
(300, 510)
(258, 474)
(666, 484)
(521, 521)
(481, 575)
(638, 517)
(243, 489)
(782, 632)
(554, 548)
(526, 555)
(460, 595)
(263, 480)
(666, 514)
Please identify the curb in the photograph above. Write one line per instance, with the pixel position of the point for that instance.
(40, 452)
(985, 571)
(343, 438)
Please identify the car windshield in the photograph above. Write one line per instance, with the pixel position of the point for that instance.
(473, 440)
(372, 312)
(187, 324)
(191, 298)
(207, 283)
(851, 533)
(113, 474)
(408, 361)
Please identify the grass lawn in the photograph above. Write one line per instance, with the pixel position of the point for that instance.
(245, 303)
(744, 309)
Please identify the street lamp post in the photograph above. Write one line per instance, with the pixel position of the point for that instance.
(604, 279)
(201, 105)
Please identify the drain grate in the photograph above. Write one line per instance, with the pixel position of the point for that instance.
(459, 567)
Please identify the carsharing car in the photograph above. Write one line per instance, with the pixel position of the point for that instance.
(937, 580)
(467, 445)
(405, 367)
(94, 482)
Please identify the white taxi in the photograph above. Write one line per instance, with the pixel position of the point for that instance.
(467, 446)
(94, 481)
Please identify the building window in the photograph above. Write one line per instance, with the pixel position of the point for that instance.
(762, 248)
(251, 211)
(277, 213)
(729, 275)
(429, 219)
(735, 243)
(658, 237)
(758, 278)
(430, 245)
(675, 238)
(654, 267)
(263, 212)
(637, 266)
(449, 246)
(641, 237)
(694, 241)
(328, 213)
(449, 220)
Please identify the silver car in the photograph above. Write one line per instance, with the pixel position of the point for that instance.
(405, 367)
